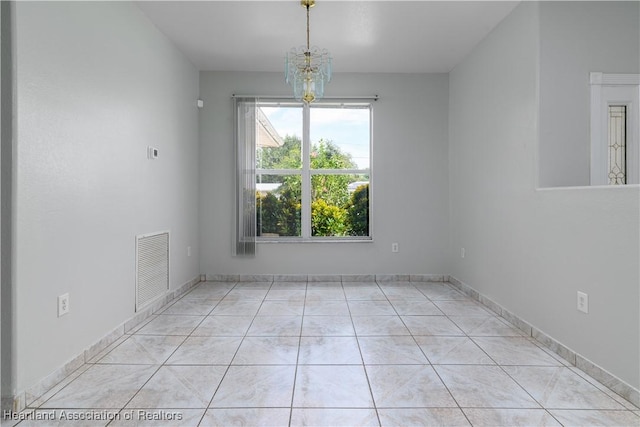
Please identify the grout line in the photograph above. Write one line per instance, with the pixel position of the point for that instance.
(295, 372)
(364, 366)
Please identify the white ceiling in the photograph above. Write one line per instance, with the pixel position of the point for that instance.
(362, 36)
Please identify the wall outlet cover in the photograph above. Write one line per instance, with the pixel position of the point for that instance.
(63, 304)
(583, 302)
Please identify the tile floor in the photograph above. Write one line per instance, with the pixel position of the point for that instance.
(329, 354)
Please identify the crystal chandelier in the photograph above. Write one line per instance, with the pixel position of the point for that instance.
(307, 69)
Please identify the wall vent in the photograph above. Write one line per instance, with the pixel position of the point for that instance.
(152, 267)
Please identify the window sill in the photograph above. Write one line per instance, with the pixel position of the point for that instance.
(359, 239)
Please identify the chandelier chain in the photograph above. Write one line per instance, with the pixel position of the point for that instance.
(308, 69)
(308, 44)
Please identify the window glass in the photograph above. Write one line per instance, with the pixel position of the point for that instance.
(340, 205)
(339, 136)
(313, 182)
(279, 137)
(278, 205)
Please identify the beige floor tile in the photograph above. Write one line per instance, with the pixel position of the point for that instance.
(267, 351)
(224, 326)
(393, 350)
(332, 387)
(437, 291)
(379, 325)
(274, 326)
(363, 292)
(515, 351)
(485, 325)
(179, 387)
(328, 307)
(334, 417)
(452, 351)
(461, 308)
(102, 386)
(419, 308)
(258, 417)
(289, 285)
(329, 351)
(239, 307)
(431, 325)
(593, 418)
(209, 290)
(143, 349)
(408, 386)
(371, 308)
(561, 388)
(255, 387)
(171, 324)
(247, 293)
(403, 293)
(179, 417)
(317, 294)
(484, 387)
(205, 351)
(253, 283)
(422, 417)
(291, 295)
(192, 306)
(327, 326)
(510, 417)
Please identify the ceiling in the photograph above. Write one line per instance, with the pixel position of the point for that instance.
(363, 36)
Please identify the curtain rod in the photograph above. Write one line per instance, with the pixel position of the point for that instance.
(290, 98)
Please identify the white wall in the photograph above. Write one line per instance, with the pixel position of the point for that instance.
(409, 186)
(6, 118)
(532, 250)
(577, 38)
(96, 83)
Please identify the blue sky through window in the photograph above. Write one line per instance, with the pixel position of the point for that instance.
(346, 127)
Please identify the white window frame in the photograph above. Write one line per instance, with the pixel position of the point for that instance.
(607, 90)
(306, 173)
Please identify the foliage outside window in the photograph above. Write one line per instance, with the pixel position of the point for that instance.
(312, 171)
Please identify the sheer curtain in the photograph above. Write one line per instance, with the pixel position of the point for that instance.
(245, 112)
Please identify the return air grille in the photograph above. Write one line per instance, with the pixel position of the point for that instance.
(152, 267)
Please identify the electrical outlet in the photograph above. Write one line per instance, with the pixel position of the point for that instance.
(188, 250)
(462, 253)
(152, 153)
(394, 247)
(63, 305)
(583, 302)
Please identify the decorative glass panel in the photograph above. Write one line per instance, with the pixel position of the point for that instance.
(617, 144)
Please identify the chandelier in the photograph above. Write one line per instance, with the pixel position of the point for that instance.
(307, 69)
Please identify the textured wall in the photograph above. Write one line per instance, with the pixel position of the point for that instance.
(532, 250)
(96, 84)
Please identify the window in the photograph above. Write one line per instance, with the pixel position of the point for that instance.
(617, 145)
(312, 170)
(615, 129)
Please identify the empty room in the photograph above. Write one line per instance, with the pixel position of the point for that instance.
(320, 213)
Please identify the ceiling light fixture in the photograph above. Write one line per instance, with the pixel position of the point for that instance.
(307, 69)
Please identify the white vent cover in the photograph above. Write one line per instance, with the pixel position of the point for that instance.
(152, 267)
